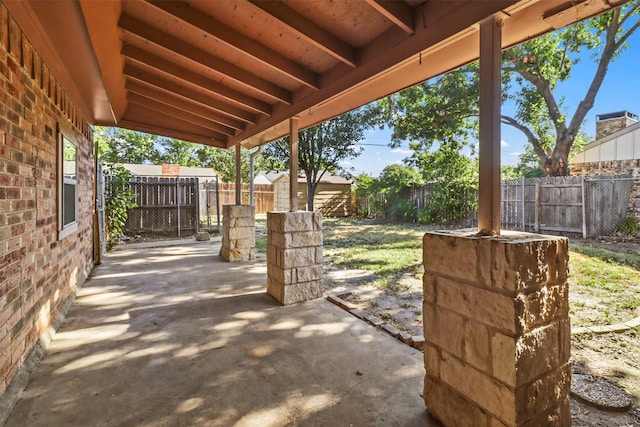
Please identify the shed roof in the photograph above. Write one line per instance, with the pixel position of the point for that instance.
(326, 179)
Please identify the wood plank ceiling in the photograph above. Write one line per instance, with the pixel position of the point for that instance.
(233, 72)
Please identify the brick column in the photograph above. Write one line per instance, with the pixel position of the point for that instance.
(238, 233)
(496, 328)
(294, 256)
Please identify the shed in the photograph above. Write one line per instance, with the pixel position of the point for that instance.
(332, 198)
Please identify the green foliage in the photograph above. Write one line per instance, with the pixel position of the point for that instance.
(116, 145)
(177, 152)
(629, 226)
(118, 199)
(443, 111)
(454, 184)
(394, 179)
(224, 162)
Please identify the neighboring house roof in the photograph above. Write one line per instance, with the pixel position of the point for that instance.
(168, 170)
(326, 179)
(621, 145)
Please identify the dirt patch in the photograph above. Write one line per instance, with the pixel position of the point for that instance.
(613, 356)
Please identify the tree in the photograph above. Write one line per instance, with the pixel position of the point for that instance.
(323, 147)
(224, 162)
(445, 109)
(117, 145)
(540, 64)
(454, 183)
(178, 152)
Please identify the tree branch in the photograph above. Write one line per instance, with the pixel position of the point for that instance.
(531, 137)
(544, 88)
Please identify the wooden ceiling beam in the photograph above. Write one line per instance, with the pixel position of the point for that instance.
(312, 32)
(175, 45)
(218, 89)
(238, 41)
(170, 133)
(185, 91)
(148, 115)
(227, 125)
(397, 12)
(134, 98)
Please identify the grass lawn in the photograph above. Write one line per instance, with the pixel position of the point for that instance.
(604, 285)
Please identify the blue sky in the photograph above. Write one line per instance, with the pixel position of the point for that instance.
(620, 91)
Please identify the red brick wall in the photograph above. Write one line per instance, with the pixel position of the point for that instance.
(38, 272)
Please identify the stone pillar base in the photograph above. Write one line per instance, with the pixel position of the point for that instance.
(238, 233)
(294, 256)
(496, 329)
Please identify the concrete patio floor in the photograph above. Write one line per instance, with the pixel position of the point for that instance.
(173, 336)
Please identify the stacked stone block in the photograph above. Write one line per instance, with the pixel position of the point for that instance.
(294, 256)
(496, 329)
(238, 233)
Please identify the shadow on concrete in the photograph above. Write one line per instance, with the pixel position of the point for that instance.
(168, 336)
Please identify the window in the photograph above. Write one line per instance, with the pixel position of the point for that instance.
(67, 186)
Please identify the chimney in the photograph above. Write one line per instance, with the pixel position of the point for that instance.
(609, 123)
(170, 170)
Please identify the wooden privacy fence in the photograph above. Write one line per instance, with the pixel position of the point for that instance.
(262, 195)
(165, 206)
(589, 206)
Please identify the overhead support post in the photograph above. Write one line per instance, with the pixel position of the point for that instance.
(252, 158)
(238, 176)
(293, 164)
(489, 106)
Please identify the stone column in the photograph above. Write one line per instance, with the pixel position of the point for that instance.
(238, 233)
(496, 329)
(294, 256)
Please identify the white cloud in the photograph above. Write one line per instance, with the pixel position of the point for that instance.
(504, 143)
(403, 151)
(515, 153)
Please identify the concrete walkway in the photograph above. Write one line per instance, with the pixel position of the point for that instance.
(173, 336)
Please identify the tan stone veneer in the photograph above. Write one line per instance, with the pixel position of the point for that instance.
(294, 256)
(238, 233)
(496, 328)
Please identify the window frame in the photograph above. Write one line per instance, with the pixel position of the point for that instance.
(71, 227)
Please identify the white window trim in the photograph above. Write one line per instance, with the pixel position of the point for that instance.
(72, 227)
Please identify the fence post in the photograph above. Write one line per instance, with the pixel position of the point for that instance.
(523, 205)
(178, 202)
(584, 210)
(196, 191)
(537, 207)
(218, 202)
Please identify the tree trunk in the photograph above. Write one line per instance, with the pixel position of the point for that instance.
(311, 191)
(557, 163)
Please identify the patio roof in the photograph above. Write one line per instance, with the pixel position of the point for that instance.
(224, 73)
